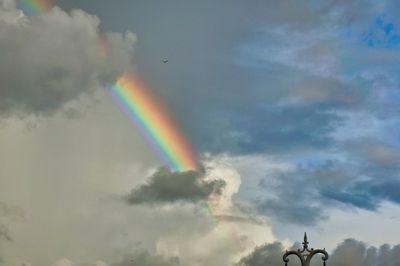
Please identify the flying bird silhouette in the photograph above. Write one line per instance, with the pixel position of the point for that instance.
(165, 61)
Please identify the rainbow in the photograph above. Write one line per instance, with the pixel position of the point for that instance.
(33, 7)
(154, 122)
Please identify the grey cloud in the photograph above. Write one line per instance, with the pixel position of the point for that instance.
(144, 258)
(165, 186)
(53, 58)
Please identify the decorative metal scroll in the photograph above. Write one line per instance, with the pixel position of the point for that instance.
(305, 255)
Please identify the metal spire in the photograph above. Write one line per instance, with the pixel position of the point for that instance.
(305, 243)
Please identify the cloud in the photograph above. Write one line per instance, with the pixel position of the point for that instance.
(54, 58)
(165, 186)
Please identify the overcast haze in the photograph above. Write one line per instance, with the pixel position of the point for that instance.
(292, 107)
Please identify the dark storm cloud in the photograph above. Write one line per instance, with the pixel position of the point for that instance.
(348, 253)
(53, 58)
(165, 186)
(144, 258)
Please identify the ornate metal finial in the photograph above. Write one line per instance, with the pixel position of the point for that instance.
(305, 255)
(305, 243)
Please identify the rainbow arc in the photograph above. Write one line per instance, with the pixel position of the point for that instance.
(154, 122)
(33, 7)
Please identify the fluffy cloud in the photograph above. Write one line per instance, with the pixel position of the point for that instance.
(165, 186)
(53, 58)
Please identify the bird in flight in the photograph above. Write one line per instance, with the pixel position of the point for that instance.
(165, 61)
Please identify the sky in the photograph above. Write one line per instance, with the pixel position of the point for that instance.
(291, 108)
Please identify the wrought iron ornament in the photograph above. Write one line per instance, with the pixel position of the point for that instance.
(305, 255)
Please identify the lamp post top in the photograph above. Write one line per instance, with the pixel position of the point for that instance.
(305, 255)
